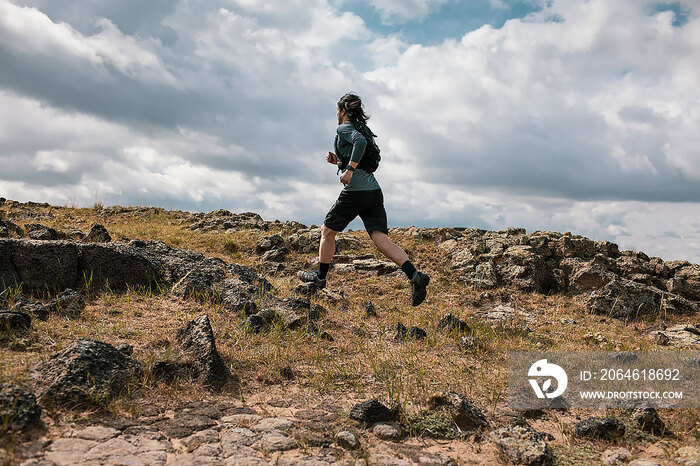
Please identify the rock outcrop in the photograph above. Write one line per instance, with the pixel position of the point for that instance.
(89, 372)
(620, 284)
(19, 411)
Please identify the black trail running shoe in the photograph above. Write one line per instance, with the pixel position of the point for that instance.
(419, 282)
(312, 277)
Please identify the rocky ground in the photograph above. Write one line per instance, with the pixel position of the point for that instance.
(137, 335)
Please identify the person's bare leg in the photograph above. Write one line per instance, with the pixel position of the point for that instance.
(387, 247)
(419, 281)
(327, 247)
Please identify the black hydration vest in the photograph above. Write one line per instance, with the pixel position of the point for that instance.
(370, 159)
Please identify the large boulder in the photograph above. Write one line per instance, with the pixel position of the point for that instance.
(19, 411)
(39, 265)
(88, 372)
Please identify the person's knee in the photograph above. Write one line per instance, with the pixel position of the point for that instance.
(327, 232)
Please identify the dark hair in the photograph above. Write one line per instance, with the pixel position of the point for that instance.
(352, 104)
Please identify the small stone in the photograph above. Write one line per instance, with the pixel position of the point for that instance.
(614, 455)
(275, 255)
(347, 440)
(125, 349)
(97, 234)
(388, 431)
(316, 312)
(369, 309)
(448, 322)
(414, 333)
(464, 413)
(371, 411)
(600, 427)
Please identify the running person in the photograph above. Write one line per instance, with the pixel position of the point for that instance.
(361, 196)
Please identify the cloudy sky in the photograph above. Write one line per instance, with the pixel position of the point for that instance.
(564, 115)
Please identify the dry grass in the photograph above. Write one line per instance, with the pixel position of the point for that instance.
(363, 360)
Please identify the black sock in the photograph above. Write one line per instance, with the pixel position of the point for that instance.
(323, 269)
(408, 269)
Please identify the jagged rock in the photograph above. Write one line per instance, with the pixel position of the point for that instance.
(58, 265)
(97, 234)
(269, 242)
(86, 373)
(467, 416)
(305, 289)
(40, 232)
(625, 298)
(369, 309)
(371, 411)
(13, 321)
(68, 302)
(415, 333)
(686, 282)
(523, 445)
(196, 339)
(589, 278)
(275, 255)
(607, 428)
(448, 322)
(258, 321)
(648, 420)
(19, 411)
(316, 312)
(7, 228)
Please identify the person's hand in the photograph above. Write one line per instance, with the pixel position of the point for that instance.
(347, 176)
(332, 158)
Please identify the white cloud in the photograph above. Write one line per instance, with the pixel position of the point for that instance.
(28, 31)
(588, 123)
(404, 10)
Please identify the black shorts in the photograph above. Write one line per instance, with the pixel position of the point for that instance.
(369, 205)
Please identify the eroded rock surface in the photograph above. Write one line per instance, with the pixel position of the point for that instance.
(88, 372)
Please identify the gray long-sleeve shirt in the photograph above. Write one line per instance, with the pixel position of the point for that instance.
(350, 142)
